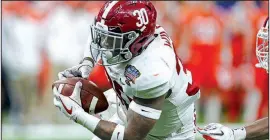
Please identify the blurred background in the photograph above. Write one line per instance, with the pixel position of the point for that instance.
(215, 39)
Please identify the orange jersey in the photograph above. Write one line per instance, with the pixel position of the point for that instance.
(204, 25)
(205, 35)
(204, 30)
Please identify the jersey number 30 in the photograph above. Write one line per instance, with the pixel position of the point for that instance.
(142, 17)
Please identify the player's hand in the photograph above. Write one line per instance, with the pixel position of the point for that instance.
(82, 70)
(215, 131)
(70, 106)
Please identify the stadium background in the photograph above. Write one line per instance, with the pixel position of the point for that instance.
(215, 40)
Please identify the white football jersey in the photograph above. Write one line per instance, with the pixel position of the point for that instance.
(155, 72)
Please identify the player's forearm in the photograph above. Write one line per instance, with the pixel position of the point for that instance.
(141, 119)
(104, 130)
(257, 130)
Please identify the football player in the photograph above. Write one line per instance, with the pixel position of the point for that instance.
(259, 129)
(155, 90)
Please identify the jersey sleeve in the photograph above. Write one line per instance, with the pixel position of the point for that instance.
(153, 83)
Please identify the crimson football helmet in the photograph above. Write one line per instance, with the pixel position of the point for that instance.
(262, 45)
(122, 30)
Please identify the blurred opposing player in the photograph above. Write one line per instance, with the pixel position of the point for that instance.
(156, 92)
(259, 129)
(261, 77)
(201, 41)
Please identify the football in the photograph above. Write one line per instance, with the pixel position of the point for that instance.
(92, 98)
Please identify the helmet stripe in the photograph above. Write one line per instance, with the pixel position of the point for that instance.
(107, 10)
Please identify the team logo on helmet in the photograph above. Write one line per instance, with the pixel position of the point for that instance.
(131, 73)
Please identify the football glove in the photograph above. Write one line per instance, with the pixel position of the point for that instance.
(69, 105)
(82, 70)
(215, 131)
